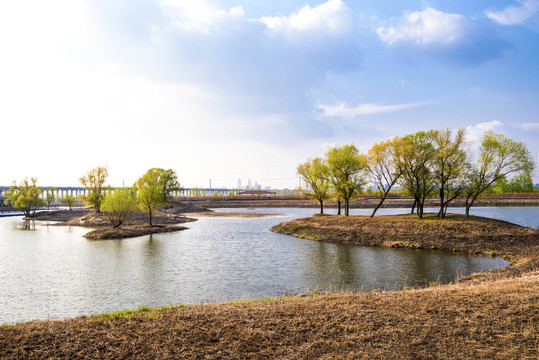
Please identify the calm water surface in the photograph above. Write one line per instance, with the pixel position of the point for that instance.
(52, 272)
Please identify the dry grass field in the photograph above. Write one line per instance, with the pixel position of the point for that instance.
(495, 319)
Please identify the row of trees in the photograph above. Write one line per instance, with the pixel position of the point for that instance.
(149, 193)
(27, 197)
(423, 163)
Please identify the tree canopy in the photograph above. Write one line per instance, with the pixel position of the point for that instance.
(385, 165)
(449, 164)
(118, 206)
(94, 183)
(345, 166)
(417, 155)
(315, 173)
(498, 157)
(26, 196)
(150, 194)
(168, 180)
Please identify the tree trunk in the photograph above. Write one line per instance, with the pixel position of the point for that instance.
(413, 206)
(150, 215)
(339, 207)
(469, 205)
(441, 212)
(347, 207)
(380, 204)
(321, 207)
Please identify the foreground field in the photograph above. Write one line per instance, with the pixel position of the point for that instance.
(497, 319)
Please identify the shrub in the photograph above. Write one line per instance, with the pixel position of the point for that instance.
(118, 206)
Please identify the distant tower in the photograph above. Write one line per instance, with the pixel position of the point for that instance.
(239, 183)
(249, 184)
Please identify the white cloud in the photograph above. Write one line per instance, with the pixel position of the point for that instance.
(528, 126)
(345, 111)
(426, 27)
(199, 16)
(332, 17)
(474, 133)
(516, 14)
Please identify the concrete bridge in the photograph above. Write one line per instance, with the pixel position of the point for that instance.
(61, 191)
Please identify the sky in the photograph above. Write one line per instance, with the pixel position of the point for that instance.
(248, 89)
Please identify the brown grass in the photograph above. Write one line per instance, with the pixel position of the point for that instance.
(492, 320)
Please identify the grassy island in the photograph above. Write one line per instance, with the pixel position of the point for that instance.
(454, 233)
(493, 316)
(166, 220)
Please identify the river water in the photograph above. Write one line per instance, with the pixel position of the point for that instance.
(53, 272)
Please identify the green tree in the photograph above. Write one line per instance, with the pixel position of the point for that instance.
(315, 173)
(69, 201)
(49, 197)
(150, 195)
(449, 164)
(521, 183)
(118, 206)
(385, 165)
(345, 166)
(94, 183)
(26, 196)
(417, 155)
(169, 182)
(498, 158)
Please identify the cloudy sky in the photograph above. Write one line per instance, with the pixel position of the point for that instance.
(245, 89)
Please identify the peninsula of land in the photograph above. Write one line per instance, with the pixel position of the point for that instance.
(167, 219)
(455, 232)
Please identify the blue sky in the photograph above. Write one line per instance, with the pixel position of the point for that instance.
(249, 89)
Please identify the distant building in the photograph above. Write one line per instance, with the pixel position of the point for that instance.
(239, 183)
(257, 193)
